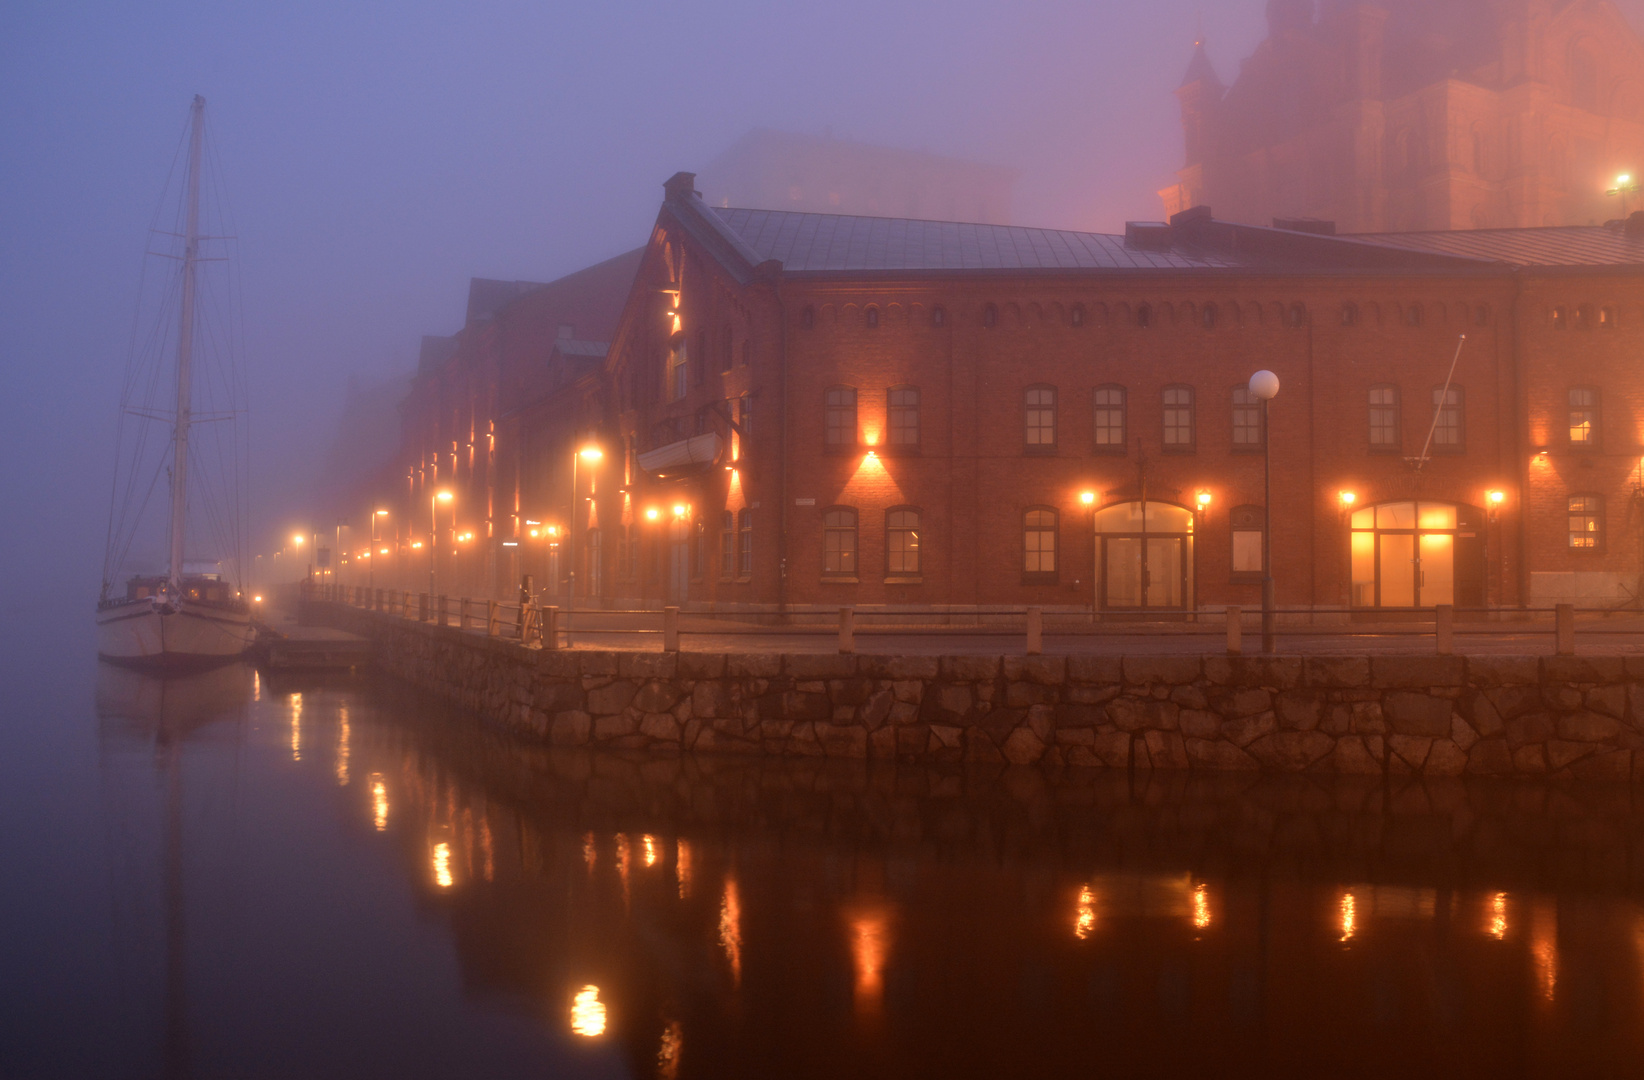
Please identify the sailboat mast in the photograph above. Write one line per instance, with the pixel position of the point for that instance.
(185, 347)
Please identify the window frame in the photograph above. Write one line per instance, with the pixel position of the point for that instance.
(1254, 406)
(870, 317)
(893, 410)
(727, 545)
(1396, 406)
(679, 368)
(1054, 530)
(1599, 530)
(1248, 518)
(1165, 406)
(1460, 445)
(892, 530)
(744, 519)
(830, 408)
(1595, 434)
(1029, 409)
(853, 530)
(1122, 446)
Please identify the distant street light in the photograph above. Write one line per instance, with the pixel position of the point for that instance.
(591, 454)
(1265, 386)
(1625, 185)
(433, 539)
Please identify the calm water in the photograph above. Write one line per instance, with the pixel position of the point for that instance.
(239, 876)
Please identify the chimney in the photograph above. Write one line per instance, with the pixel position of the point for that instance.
(681, 185)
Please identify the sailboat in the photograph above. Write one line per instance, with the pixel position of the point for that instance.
(194, 613)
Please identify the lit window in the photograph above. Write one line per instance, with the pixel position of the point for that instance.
(902, 542)
(839, 542)
(1039, 542)
(745, 518)
(903, 409)
(1447, 430)
(840, 419)
(727, 544)
(1606, 318)
(1110, 418)
(1246, 522)
(1560, 319)
(1247, 419)
(1583, 417)
(1384, 418)
(1040, 419)
(679, 369)
(1178, 418)
(1584, 317)
(1586, 522)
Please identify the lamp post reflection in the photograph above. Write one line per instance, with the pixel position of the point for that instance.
(588, 1013)
(730, 929)
(1084, 916)
(870, 940)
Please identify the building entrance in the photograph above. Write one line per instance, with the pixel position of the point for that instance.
(1144, 555)
(1417, 554)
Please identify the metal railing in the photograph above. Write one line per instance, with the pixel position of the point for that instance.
(551, 627)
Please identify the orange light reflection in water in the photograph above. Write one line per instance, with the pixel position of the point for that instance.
(648, 842)
(379, 802)
(870, 940)
(730, 929)
(1544, 946)
(296, 727)
(343, 733)
(682, 868)
(623, 854)
(1201, 907)
(1084, 917)
(1349, 916)
(588, 1013)
(667, 1055)
(442, 865)
(589, 855)
(1497, 926)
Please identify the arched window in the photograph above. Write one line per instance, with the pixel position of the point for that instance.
(1077, 315)
(1349, 314)
(1449, 430)
(902, 541)
(870, 318)
(1178, 419)
(1208, 316)
(938, 315)
(807, 318)
(1110, 419)
(679, 361)
(1586, 523)
(902, 413)
(727, 355)
(1039, 419)
(1247, 419)
(1583, 417)
(1561, 319)
(839, 419)
(1584, 317)
(727, 544)
(1039, 534)
(1606, 318)
(990, 316)
(1384, 418)
(1296, 316)
(1144, 315)
(745, 519)
(1412, 315)
(839, 542)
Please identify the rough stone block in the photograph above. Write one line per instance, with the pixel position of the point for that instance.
(1610, 700)
(1490, 757)
(899, 668)
(970, 669)
(1218, 756)
(570, 728)
(980, 749)
(1044, 670)
(1128, 713)
(819, 665)
(1612, 765)
(558, 663)
(1246, 702)
(1445, 759)
(1561, 752)
(660, 726)
(1170, 670)
(1526, 730)
(1100, 670)
(1462, 734)
(876, 710)
(1352, 758)
(1166, 749)
(1299, 710)
(1079, 716)
(1023, 694)
(1292, 751)
(1487, 671)
(842, 740)
(647, 665)
(1561, 696)
(1530, 760)
(882, 743)
(1481, 713)
(1417, 714)
(597, 663)
(946, 735)
(908, 690)
(700, 665)
(1189, 697)
(912, 739)
(1411, 748)
(1583, 669)
(802, 707)
(656, 697)
(1412, 671)
(904, 713)
(607, 728)
(713, 698)
(753, 665)
(1336, 671)
(1198, 724)
(849, 691)
(1245, 730)
(611, 698)
(1587, 727)
(1511, 701)
(1085, 694)
(1023, 747)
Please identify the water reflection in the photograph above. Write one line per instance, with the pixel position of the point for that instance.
(588, 1013)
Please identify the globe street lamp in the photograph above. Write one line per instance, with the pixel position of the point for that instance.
(591, 454)
(1265, 386)
(371, 556)
(433, 539)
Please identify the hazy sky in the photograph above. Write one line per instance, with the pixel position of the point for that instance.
(378, 155)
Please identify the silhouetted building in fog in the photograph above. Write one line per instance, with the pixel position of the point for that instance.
(781, 170)
(1419, 114)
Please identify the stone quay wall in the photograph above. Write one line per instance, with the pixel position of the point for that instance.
(1552, 716)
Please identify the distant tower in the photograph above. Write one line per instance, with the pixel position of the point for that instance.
(1200, 97)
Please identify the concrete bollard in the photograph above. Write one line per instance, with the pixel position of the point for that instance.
(1235, 630)
(1444, 629)
(549, 627)
(445, 611)
(670, 629)
(1564, 629)
(847, 630)
(1035, 631)
(493, 622)
(462, 614)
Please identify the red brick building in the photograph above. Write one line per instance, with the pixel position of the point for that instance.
(811, 409)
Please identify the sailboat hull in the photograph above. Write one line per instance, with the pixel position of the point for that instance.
(153, 633)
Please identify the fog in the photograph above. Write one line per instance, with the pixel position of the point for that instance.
(377, 156)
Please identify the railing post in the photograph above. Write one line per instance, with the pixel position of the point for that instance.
(1564, 629)
(1035, 631)
(422, 607)
(670, 629)
(1444, 629)
(462, 619)
(493, 624)
(1235, 630)
(444, 611)
(847, 629)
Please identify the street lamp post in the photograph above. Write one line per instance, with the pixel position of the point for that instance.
(371, 556)
(433, 539)
(1625, 185)
(590, 454)
(1265, 386)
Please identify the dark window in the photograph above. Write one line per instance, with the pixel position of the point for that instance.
(807, 318)
(1247, 419)
(1144, 315)
(1412, 315)
(1039, 535)
(840, 419)
(903, 412)
(1481, 315)
(728, 355)
(1178, 418)
(938, 315)
(1077, 315)
(1584, 317)
(727, 544)
(744, 419)
(839, 542)
(1586, 518)
(699, 551)
(1349, 314)
(1583, 416)
(902, 541)
(1039, 416)
(1110, 419)
(1296, 316)
(1449, 429)
(990, 315)
(745, 565)
(1247, 527)
(1208, 316)
(870, 317)
(1560, 319)
(1384, 418)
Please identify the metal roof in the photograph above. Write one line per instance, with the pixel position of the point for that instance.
(573, 347)
(837, 243)
(1572, 245)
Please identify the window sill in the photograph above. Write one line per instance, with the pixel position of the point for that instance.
(838, 579)
(743, 580)
(1042, 579)
(905, 579)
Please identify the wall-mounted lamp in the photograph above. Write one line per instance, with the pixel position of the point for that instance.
(679, 509)
(1493, 501)
(652, 514)
(1088, 498)
(1202, 499)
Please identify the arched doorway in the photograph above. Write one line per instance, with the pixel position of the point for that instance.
(1144, 557)
(1417, 554)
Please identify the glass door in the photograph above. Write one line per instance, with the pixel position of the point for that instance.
(1146, 556)
(1404, 554)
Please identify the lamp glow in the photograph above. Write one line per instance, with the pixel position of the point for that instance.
(1203, 499)
(1347, 498)
(652, 514)
(679, 509)
(1087, 497)
(591, 453)
(443, 496)
(1265, 385)
(1497, 497)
